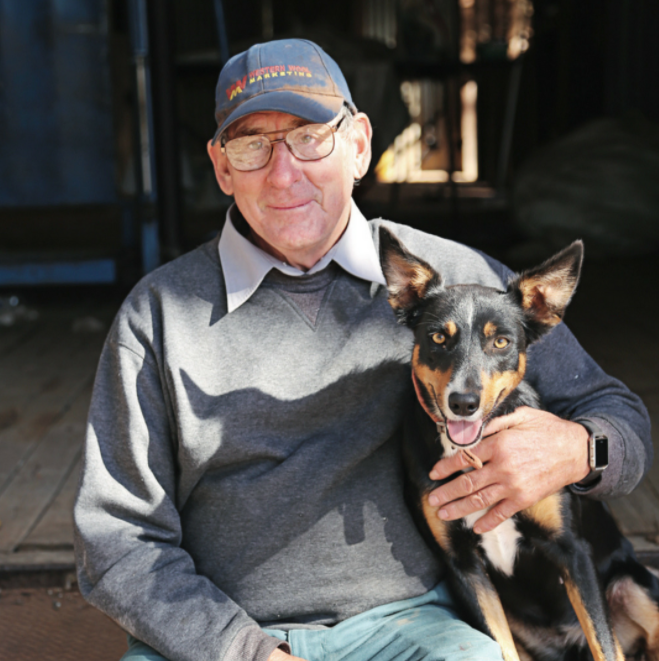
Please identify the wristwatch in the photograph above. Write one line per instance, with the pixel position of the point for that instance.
(598, 452)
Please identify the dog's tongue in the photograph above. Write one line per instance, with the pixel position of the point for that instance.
(462, 432)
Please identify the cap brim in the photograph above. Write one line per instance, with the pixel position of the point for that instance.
(320, 108)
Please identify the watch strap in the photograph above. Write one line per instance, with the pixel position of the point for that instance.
(598, 452)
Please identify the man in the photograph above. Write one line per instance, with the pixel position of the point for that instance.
(241, 496)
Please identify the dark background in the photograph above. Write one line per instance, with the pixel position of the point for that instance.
(70, 172)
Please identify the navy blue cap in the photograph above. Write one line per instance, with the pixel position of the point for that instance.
(294, 76)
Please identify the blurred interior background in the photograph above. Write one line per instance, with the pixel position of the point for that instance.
(502, 123)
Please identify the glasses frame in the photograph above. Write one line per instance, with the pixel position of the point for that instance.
(334, 129)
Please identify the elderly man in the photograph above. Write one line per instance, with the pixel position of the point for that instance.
(241, 497)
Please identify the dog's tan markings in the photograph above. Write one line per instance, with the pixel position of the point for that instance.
(635, 615)
(523, 654)
(587, 624)
(407, 280)
(450, 328)
(489, 329)
(547, 513)
(490, 605)
(546, 295)
(497, 386)
(433, 380)
(438, 528)
(487, 598)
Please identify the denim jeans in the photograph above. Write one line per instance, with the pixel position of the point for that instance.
(424, 628)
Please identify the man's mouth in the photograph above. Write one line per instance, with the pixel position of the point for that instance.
(291, 206)
(464, 433)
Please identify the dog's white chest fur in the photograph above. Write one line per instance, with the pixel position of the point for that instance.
(500, 544)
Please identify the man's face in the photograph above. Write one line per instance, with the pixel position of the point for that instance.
(297, 209)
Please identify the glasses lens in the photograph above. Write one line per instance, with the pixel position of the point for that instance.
(311, 142)
(250, 152)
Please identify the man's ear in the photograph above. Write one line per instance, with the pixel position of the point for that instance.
(545, 291)
(221, 167)
(409, 278)
(361, 136)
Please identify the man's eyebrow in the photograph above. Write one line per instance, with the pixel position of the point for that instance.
(258, 130)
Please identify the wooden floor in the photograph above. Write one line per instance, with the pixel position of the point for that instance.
(46, 373)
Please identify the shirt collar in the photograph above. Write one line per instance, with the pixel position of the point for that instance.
(244, 265)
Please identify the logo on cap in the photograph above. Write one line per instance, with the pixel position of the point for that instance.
(278, 71)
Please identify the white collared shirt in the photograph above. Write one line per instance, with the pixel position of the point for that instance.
(244, 265)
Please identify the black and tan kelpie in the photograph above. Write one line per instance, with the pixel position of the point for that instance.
(557, 581)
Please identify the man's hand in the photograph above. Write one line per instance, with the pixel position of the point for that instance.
(280, 655)
(526, 456)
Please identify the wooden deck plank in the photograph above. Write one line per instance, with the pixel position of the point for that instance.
(55, 529)
(13, 336)
(42, 475)
(33, 365)
(35, 417)
(637, 513)
(652, 403)
(47, 331)
(37, 561)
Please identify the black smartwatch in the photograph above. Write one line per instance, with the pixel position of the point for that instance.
(598, 453)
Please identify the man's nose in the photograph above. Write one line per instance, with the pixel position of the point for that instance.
(284, 168)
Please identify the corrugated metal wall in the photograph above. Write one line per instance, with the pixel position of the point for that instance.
(56, 144)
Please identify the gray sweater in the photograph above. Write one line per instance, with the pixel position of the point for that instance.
(244, 467)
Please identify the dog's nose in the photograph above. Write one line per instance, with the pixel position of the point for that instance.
(464, 403)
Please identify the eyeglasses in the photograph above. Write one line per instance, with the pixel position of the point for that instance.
(307, 143)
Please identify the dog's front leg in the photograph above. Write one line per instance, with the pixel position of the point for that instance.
(557, 539)
(585, 594)
(470, 581)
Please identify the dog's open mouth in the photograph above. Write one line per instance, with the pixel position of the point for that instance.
(464, 433)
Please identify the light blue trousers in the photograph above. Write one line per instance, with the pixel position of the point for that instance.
(425, 628)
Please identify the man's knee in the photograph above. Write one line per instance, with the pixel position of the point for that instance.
(139, 651)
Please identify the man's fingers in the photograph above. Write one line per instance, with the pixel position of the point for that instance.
(446, 467)
(479, 500)
(503, 511)
(504, 422)
(464, 485)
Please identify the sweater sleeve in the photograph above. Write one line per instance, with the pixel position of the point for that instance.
(572, 385)
(128, 531)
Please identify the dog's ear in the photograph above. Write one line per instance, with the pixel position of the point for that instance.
(545, 291)
(408, 277)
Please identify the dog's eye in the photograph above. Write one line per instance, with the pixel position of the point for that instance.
(501, 342)
(438, 338)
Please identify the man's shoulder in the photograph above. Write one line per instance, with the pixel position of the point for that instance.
(195, 271)
(174, 291)
(457, 262)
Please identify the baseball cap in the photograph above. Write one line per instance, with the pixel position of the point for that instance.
(293, 76)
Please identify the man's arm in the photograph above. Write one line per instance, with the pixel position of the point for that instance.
(128, 530)
(530, 454)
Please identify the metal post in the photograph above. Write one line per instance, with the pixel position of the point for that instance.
(165, 122)
(509, 122)
(147, 158)
(223, 40)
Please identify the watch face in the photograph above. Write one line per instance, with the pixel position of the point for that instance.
(601, 452)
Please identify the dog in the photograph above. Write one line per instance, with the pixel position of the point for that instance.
(557, 581)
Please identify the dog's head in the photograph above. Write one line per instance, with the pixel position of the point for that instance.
(470, 340)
